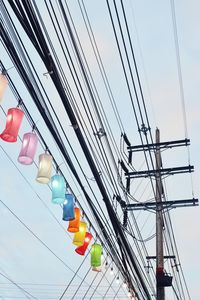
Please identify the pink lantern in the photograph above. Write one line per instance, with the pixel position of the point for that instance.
(13, 121)
(3, 85)
(28, 150)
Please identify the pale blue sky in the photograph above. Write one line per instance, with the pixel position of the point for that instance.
(20, 252)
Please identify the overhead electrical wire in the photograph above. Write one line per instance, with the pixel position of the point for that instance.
(179, 69)
(29, 118)
(121, 31)
(92, 96)
(71, 71)
(26, 15)
(29, 115)
(34, 191)
(180, 78)
(100, 64)
(39, 239)
(26, 293)
(93, 167)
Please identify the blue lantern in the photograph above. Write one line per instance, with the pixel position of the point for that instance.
(58, 189)
(68, 208)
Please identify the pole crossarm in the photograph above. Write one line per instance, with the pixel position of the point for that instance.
(162, 205)
(161, 172)
(165, 257)
(162, 145)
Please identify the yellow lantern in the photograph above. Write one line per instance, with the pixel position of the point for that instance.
(79, 237)
(45, 168)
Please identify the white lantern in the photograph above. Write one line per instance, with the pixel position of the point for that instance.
(44, 168)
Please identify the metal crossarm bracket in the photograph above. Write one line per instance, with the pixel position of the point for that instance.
(163, 145)
(164, 171)
(165, 257)
(162, 205)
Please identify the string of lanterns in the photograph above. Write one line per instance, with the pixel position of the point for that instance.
(71, 213)
(82, 238)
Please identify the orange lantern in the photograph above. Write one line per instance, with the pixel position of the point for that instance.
(13, 121)
(74, 224)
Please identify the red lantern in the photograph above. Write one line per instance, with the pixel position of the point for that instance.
(13, 121)
(81, 249)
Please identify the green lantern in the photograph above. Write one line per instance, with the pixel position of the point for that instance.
(96, 252)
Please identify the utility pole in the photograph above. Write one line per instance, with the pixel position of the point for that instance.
(160, 291)
(162, 279)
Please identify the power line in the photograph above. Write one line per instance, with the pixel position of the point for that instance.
(27, 294)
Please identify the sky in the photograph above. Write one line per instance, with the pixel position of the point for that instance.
(152, 36)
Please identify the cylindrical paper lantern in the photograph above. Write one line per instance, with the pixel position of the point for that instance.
(68, 208)
(3, 86)
(28, 150)
(79, 237)
(74, 224)
(13, 121)
(96, 255)
(58, 189)
(45, 168)
(81, 249)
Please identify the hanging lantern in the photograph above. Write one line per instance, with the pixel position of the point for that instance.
(96, 255)
(58, 189)
(13, 121)
(79, 237)
(81, 249)
(3, 85)
(45, 168)
(74, 224)
(28, 150)
(68, 208)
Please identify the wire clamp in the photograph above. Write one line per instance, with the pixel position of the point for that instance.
(144, 129)
(47, 73)
(100, 133)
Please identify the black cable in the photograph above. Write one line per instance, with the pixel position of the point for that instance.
(41, 242)
(91, 95)
(136, 68)
(27, 294)
(89, 158)
(55, 77)
(73, 76)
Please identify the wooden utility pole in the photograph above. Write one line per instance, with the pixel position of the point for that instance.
(160, 290)
(162, 278)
